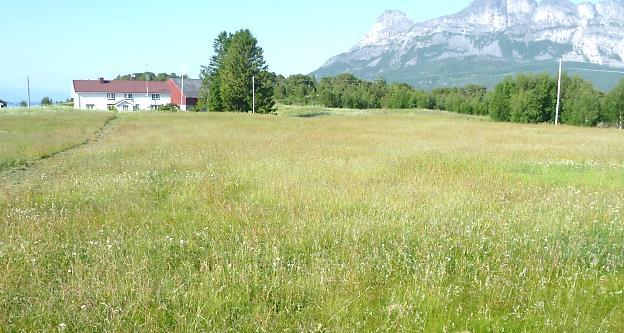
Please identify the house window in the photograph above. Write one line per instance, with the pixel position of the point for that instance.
(135, 107)
(110, 96)
(127, 96)
(155, 97)
(90, 106)
(111, 107)
(126, 107)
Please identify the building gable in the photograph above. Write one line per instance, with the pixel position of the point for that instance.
(192, 87)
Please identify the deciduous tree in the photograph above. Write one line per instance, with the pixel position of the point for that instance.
(581, 102)
(46, 101)
(615, 105)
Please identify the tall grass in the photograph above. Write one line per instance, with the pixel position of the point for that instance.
(417, 221)
(27, 135)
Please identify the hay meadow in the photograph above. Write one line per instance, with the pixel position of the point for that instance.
(313, 220)
(26, 136)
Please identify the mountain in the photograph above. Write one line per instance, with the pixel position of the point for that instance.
(489, 40)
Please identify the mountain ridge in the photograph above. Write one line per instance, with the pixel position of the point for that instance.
(490, 34)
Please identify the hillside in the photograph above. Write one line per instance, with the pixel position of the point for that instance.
(488, 40)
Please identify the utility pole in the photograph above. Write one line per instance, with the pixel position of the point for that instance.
(558, 93)
(182, 99)
(253, 92)
(28, 85)
(149, 102)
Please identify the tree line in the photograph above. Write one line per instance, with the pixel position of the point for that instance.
(228, 82)
(525, 98)
(149, 76)
(347, 91)
(47, 101)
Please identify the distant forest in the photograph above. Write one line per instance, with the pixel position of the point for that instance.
(526, 98)
(149, 76)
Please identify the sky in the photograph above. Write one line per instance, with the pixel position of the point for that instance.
(54, 42)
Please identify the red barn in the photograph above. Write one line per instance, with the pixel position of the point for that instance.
(184, 97)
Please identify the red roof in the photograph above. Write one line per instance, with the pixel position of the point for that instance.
(120, 86)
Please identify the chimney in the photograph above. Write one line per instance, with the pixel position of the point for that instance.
(102, 80)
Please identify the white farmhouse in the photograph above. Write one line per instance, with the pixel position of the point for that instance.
(120, 95)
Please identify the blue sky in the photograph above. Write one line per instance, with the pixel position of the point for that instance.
(57, 41)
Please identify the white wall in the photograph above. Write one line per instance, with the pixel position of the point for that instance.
(100, 102)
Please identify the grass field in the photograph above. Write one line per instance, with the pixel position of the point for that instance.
(29, 135)
(316, 221)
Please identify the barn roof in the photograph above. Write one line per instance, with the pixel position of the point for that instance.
(192, 87)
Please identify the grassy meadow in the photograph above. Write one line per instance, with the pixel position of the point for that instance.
(313, 220)
(27, 135)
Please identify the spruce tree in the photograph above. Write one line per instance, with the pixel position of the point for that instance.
(244, 60)
(228, 78)
(211, 79)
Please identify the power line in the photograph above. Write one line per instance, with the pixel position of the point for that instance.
(595, 70)
(588, 70)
